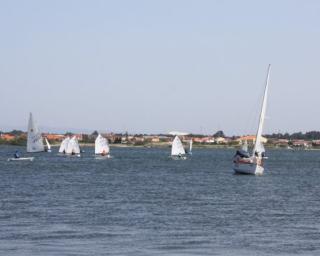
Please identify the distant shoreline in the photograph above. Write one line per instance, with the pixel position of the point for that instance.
(162, 145)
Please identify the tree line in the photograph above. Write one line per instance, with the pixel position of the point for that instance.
(312, 135)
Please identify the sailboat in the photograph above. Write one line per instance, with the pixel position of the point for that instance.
(177, 149)
(34, 139)
(190, 147)
(64, 145)
(48, 148)
(102, 148)
(244, 163)
(73, 147)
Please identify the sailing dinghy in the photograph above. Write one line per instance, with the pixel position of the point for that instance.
(190, 147)
(244, 163)
(73, 147)
(34, 138)
(64, 145)
(177, 149)
(102, 149)
(48, 148)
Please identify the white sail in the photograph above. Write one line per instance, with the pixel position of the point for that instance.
(101, 145)
(48, 144)
(64, 145)
(177, 147)
(190, 147)
(244, 146)
(34, 140)
(73, 146)
(257, 146)
(260, 148)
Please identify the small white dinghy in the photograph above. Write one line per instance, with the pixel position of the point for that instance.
(190, 147)
(48, 148)
(177, 149)
(101, 148)
(64, 145)
(21, 159)
(73, 148)
(253, 164)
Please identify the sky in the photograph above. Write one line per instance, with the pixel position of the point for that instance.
(156, 66)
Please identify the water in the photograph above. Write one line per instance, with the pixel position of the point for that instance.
(143, 203)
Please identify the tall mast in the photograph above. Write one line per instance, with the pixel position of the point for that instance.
(262, 113)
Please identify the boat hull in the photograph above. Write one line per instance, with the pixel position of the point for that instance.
(21, 159)
(248, 168)
(73, 155)
(100, 157)
(183, 157)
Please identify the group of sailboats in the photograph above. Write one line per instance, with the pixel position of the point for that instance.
(69, 146)
(244, 162)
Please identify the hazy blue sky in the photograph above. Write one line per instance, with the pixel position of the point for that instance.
(156, 66)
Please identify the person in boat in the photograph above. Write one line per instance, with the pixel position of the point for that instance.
(73, 153)
(103, 153)
(17, 154)
(262, 154)
(242, 154)
(259, 157)
(241, 157)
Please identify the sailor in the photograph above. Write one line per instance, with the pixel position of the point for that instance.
(103, 153)
(16, 154)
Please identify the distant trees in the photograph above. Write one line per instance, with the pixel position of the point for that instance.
(312, 135)
(20, 141)
(219, 134)
(95, 133)
(16, 132)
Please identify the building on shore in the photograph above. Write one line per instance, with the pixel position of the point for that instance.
(251, 139)
(7, 137)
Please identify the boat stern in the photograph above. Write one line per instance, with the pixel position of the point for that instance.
(251, 168)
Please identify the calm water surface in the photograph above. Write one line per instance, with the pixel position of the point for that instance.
(143, 203)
